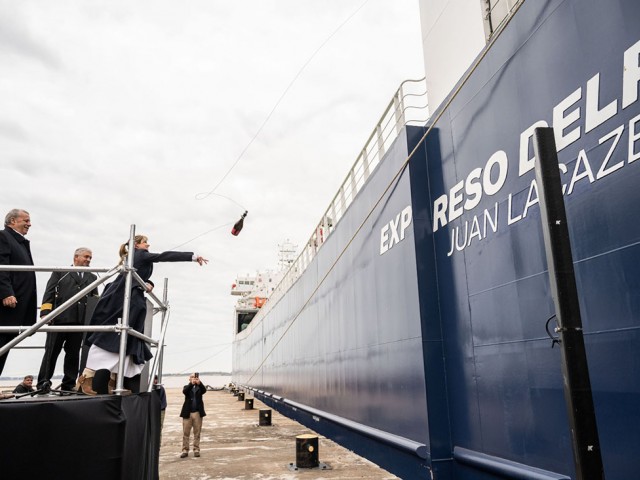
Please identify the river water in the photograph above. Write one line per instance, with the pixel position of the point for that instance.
(7, 384)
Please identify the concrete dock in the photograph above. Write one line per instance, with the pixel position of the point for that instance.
(234, 446)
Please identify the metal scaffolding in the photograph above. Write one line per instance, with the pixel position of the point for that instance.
(122, 328)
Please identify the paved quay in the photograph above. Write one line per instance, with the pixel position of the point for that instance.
(234, 446)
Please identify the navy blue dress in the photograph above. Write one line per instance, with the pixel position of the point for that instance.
(109, 308)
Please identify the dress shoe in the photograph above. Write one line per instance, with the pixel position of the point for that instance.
(184, 455)
(196, 454)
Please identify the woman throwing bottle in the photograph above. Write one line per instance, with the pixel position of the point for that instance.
(103, 358)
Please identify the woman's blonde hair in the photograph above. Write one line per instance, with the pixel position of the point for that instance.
(124, 248)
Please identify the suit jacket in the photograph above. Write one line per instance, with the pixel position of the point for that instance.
(60, 288)
(15, 250)
(186, 406)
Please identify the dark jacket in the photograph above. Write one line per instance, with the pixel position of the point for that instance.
(186, 406)
(15, 250)
(60, 288)
(159, 389)
(109, 307)
(22, 388)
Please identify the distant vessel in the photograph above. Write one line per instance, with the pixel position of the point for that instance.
(412, 327)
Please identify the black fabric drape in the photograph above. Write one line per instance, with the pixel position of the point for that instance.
(107, 437)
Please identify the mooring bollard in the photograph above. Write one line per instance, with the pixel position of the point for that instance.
(307, 451)
(240, 396)
(264, 418)
(248, 403)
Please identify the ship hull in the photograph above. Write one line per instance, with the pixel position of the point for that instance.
(418, 329)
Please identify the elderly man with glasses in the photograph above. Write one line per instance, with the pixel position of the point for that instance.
(17, 289)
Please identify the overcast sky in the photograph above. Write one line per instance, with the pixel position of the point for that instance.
(116, 113)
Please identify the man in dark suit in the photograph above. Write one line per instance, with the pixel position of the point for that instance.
(17, 289)
(60, 288)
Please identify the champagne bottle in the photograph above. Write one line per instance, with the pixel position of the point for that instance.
(238, 225)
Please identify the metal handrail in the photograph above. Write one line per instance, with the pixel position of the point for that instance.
(122, 328)
(54, 313)
(125, 312)
(33, 268)
(156, 366)
(488, 17)
(67, 328)
(391, 122)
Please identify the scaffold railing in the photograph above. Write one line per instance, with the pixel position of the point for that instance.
(122, 328)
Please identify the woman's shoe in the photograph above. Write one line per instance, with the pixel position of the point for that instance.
(85, 382)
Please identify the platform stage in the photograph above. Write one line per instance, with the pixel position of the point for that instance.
(105, 437)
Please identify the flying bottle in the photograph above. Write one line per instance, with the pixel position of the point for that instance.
(237, 227)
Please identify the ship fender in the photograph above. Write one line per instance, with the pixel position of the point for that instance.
(411, 446)
(503, 467)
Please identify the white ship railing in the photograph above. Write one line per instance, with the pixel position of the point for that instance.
(122, 328)
(407, 107)
(496, 13)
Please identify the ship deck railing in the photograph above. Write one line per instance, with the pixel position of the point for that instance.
(407, 107)
(122, 328)
(496, 13)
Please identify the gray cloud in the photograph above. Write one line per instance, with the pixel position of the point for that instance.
(16, 39)
(13, 131)
(152, 107)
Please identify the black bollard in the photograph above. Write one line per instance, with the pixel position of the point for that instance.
(241, 396)
(265, 418)
(248, 403)
(307, 451)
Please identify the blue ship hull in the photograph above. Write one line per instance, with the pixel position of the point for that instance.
(416, 336)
